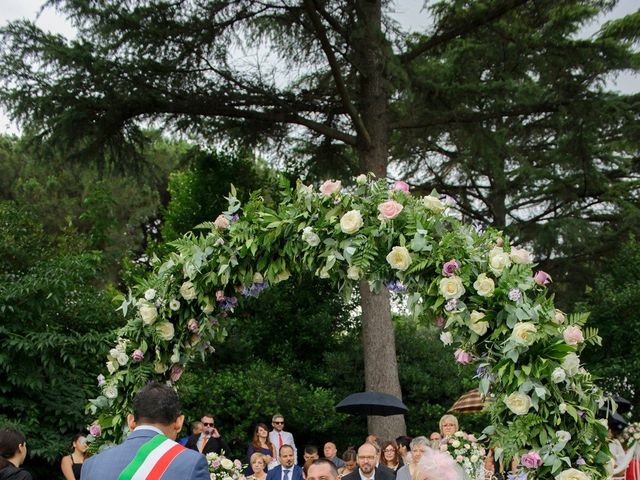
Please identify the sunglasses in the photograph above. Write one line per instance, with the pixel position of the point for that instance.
(207, 424)
(279, 423)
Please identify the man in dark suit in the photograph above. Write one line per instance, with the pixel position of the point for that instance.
(209, 440)
(367, 470)
(150, 449)
(286, 470)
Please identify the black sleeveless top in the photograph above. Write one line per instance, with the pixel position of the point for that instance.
(76, 468)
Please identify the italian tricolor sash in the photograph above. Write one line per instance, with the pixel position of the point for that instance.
(152, 460)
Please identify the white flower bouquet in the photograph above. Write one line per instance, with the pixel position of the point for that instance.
(221, 468)
(466, 451)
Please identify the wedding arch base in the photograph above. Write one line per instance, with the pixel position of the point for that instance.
(493, 306)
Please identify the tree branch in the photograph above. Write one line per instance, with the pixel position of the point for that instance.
(467, 24)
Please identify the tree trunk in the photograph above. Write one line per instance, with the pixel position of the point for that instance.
(380, 362)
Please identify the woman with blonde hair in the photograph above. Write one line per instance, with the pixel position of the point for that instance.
(448, 425)
(258, 465)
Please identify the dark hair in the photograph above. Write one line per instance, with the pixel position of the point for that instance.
(396, 454)
(10, 439)
(349, 455)
(324, 461)
(404, 441)
(310, 449)
(286, 445)
(255, 441)
(156, 403)
(74, 439)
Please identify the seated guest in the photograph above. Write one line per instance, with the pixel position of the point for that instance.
(286, 470)
(367, 470)
(403, 446)
(435, 438)
(258, 464)
(262, 444)
(390, 456)
(331, 454)
(13, 451)
(209, 440)
(448, 426)
(196, 428)
(322, 469)
(419, 446)
(349, 458)
(71, 465)
(311, 453)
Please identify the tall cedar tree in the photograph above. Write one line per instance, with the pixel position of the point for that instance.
(496, 102)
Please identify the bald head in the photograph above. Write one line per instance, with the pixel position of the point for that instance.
(367, 458)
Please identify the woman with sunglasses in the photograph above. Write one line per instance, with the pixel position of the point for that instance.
(13, 451)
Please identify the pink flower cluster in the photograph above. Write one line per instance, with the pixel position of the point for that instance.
(462, 357)
(450, 268)
(401, 186)
(542, 278)
(390, 209)
(531, 460)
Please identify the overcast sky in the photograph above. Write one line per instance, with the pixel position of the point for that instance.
(408, 13)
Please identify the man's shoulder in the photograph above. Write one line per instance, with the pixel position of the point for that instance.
(354, 475)
(384, 473)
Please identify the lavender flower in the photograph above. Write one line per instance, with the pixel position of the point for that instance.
(234, 217)
(451, 305)
(228, 303)
(254, 289)
(395, 286)
(101, 380)
(515, 294)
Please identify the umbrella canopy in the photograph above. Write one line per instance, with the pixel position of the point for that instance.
(624, 405)
(372, 403)
(470, 402)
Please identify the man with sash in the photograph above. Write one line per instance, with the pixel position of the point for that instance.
(150, 452)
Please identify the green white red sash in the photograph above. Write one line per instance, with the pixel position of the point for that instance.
(152, 459)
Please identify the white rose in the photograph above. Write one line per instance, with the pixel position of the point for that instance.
(111, 368)
(484, 285)
(351, 222)
(226, 464)
(474, 458)
(455, 443)
(572, 474)
(451, 287)
(524, 333)
(110, 391)
(354, 272)
(309, 236)
(476, 324)
(520, 256)
(361, 179)
(558, 375)
(563, 436)
(459, 434)
(122, 358)
(188, 291)
(149, 313)
(165, 330)
(150, 294)
(571, 364)
(114, 352)
(174, 305)
(159, 367)
(433, 203)
(562, 408)
(446, 338)
(399, 258)
(518, 403)
(208, 308)
(498, 260)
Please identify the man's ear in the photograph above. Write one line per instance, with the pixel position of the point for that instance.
(177, 424)
(131, 422)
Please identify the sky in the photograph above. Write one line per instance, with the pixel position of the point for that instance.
(409, 13)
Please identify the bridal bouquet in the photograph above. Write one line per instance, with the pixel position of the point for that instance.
(631, 434)
(466, 451)
(221, 468)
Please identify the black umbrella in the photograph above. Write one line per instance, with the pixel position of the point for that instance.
(624, 405)
(372, 403)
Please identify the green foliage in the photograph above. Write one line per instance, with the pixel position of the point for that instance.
(55, 322)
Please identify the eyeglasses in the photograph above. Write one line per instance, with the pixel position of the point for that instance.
(389, 450)
(279, 423)
(207, 424)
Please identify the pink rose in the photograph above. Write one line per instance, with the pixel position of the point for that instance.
(541, 277)
(237, 463)
(330, 187)
(449, 268)
(573, 335)
(390, 209)
(219, 296)
(137, 356)
(439, 321)
(193, 325)
(221, 222)
(95, 429)
(531, 460)
(459, 459)
(402, 186)
(462, 357)
(176, 373)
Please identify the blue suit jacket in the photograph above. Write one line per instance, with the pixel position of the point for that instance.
(108, 465)
(276, 473)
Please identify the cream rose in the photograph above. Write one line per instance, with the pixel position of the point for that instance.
(258, 278)
(208, 308)
(149, 313)
(571, 364)
(572, 474)
(433, 203)
(524, 333)
(573, 335)
(451, 287)
(221, 222)
(484, 285)
(390, 209)
(399, 258)
(558, 317)
(110, 391)
(188, 291)
(226, 463)
(558, 375)
(159, 367)
(165, 330)
(476, 324)
(351, 222)
(354, 272)
(330, 187)
(520, 256)
(150, 294)
(309, 236)
(518, 403)
(361, 179)
(498, 260)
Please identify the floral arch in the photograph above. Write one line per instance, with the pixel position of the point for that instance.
(493, 307)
